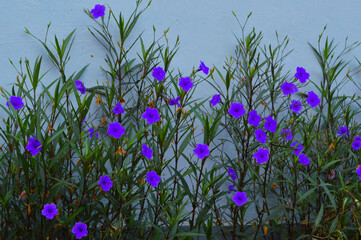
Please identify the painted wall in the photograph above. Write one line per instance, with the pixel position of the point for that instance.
(205, 28)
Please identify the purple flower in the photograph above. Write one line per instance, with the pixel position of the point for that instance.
(296, 106)
(158, 73)
(298, 150)
(34, 146)
(151, 115)
(302, 75)
(98, 11)
(91, 130)
(254, 119)
(232, 173)
(215, 99)
(79, 86)
(303, 159)
(203, 67)
(356, 145)
(105, 183)
(84, 119)
(175, 101)
(201, 151)
(287, 133)
(313, 99)
(236, 110)
(153, 178)
(17, 102)
(240, 198)
(49, 211)
(260, 136)
(115, 129)
(118, 109)
(357, 138)
(262, 155)
(231, 188)
(270, 124)
(185, 83)
(358, 171)
(343, 131)
(80, 230)
(288, 88)
(147, 152)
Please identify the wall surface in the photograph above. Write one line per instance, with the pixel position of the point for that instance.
(205, 29)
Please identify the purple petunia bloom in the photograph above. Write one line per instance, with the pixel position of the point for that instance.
(262, 155)
(313, 99)
(201, 151)
(232, 173)
(153, 178)
(79, 86)
(80, 230)
(91, 130)
(105, 183)
(231, 188)
(303, 159)
(158, 73)
(98, 11)
(34, 146)
(175, 101)
(147, 152)
(357, 138)
(254, 119)
(236, 110)
(288, 88)
(240, 198)
(215, 99)
(185, 83)
(49, 211)
(115, 129)
(203, 67)
(343, 131)
(151, 115)
(17, 102)
(270, 124)
(287, 133)
(296, 106)
(260, 136)
(302, 75)
(356, 145)
(118, 109)
(358, 171)
(299, 148)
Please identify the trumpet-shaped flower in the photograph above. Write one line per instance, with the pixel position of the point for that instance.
(80, 86)
(147, 152)
(358, 171)
(302, 158)
(49, 211)
(175, 101)
(201, 151)
(287, 133)
(115, 129)
(215, 99)
(105, 183)
(288, 88)
(204, 68)
(302, 75)
(91, 130)
(118, 109)
(34, 146)
(240, 198)
(313, 99)
(153, 178)
(254, 119)
(296, 106)
(185, 83)
(158, 73)
(236, 110)
(98, 11)
(232, 174)
(270, 124)
(151, 115)
(17, 102)
(343, 131)
(262, 155)
(260, 136)
(298, 148)
(80, 230)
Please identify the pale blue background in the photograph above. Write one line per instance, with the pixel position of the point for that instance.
(205, 28)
